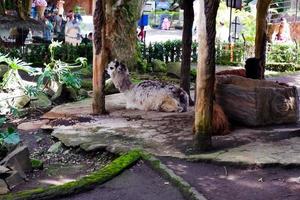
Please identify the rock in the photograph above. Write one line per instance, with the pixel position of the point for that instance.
(110, 87)
(18, 160)
(54, 89)
(41, 101)
(3, 170)
(174, 69)
(55, 148)
(72, 93)
(83, 93)
(3, 187)
(3, 70)
(159, 66)
(87, 84)
(32, 125)
(14, 179)
(21, 101)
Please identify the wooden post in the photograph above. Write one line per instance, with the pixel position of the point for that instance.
(205, 74)
(262, 7)
(99, 57)
(187, 39)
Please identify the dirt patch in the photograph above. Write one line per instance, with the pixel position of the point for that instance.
(231, 183)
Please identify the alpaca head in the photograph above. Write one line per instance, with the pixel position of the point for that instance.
(116, 68)
(119, 74)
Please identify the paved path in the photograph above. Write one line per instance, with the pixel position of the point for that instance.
(137, 183)
(170, 134)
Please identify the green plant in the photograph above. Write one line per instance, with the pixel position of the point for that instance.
(281, 67)
(62, 72)
(283, 53)
(10, 136)
(15, 65)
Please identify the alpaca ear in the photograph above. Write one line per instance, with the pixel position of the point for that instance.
(121, 67)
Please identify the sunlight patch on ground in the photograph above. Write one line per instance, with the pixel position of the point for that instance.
(59, 181)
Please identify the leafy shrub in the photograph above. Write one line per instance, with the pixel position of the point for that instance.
(281, 67)
(282, 53)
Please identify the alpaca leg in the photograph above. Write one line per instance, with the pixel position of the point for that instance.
(170, 105)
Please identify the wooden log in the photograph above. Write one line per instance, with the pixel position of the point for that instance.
(257, 102)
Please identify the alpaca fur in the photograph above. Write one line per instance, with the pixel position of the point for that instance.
(220, 122)
(147, 95)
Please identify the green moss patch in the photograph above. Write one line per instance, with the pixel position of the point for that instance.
(37, 164)
(88, 182)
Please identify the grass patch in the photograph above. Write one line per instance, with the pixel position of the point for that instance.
(88, 182)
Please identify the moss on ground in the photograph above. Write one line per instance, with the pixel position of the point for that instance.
(37, 164)
(88, 182)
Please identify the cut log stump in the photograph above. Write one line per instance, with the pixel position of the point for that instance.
(257, 102)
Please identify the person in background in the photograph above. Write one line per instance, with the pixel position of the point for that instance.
(33, 10)
(41, 7)
(77, 15)
(47, 33)
(57, 22)
(60, 7)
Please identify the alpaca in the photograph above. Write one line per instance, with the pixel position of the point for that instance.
(147, 95)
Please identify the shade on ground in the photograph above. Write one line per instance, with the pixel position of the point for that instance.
(170, 134)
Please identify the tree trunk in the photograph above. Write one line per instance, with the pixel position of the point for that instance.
(262, 7)
(20, 8)
(205, 74)
(2, 7)
(99, 58)
(187, 37)
(28, 4)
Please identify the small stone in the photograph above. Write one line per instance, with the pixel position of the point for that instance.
(55, 148)
(3, 187)
(41, 101)
(3, 170)
(22, 99)
(33, 125)
(18, 159)
(14, 179)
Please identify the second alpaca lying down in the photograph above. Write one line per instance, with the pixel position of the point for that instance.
(147, 95)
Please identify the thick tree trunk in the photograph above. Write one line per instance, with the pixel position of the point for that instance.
(2, 7)
(205, 74)
(99, 58)
(187, 37)
(262, 7)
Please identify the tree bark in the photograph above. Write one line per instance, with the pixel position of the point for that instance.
(205, 74)
(113, 34)
(2, 7)
(99, 57)
(187, 37)
(262, 7)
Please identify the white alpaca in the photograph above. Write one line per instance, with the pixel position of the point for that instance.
(147, 95)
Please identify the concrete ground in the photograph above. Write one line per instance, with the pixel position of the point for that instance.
(138, 183)
(232, 170)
